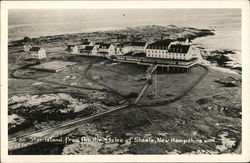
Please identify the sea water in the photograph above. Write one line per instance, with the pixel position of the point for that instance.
(44, 22)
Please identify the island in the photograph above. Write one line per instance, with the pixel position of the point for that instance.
(139, 90)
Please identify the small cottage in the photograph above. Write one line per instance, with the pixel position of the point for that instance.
(26, 48)
(73, 49)
(37, 53)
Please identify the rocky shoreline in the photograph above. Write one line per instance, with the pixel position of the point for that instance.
(221, 59)
(140, 33)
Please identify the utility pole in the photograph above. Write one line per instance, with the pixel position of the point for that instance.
(155, 81)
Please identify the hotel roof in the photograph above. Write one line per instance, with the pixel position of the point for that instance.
(178, 48)
(104, 45)
(138, 43)
(124, 44)
(88, 47)
(35, 49)
(162, 44)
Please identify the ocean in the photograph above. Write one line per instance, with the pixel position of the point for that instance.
(43, 22)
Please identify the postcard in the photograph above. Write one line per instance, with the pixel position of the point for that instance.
(125, 81)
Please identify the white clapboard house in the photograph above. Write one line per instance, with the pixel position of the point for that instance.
(37, 53)
(106, 49)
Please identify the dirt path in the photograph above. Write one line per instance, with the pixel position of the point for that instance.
(72, 124)
(149, 72)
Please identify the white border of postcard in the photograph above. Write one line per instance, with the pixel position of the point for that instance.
(243, 5)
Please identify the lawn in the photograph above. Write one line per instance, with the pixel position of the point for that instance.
(124, 78)
(166, 85)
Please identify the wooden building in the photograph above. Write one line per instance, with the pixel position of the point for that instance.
(139, 47)
(158, 49)
(37, 53)
(106, 49)
(73, 49)
(26, 48)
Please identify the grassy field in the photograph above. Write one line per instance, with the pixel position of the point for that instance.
(124, 78)
(169, 85)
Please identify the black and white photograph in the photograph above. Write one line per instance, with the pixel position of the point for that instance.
(124, 81)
